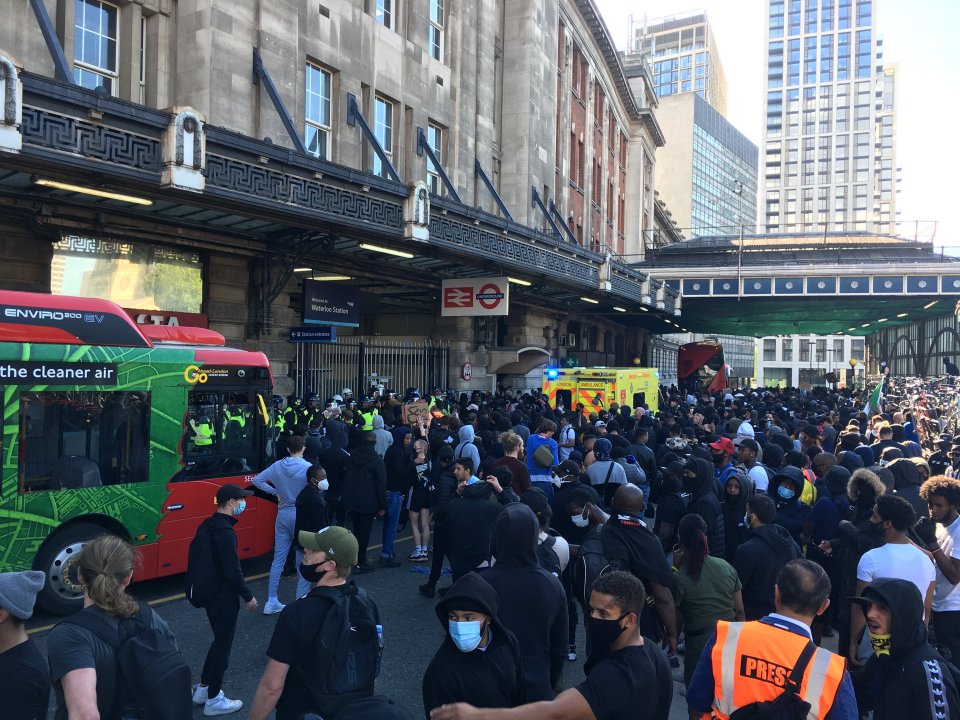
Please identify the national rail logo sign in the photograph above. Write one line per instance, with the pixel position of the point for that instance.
(470, 297)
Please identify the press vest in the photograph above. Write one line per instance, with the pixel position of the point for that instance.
(752, 661)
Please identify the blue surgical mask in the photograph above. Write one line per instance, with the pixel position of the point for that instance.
(785, 492)
(240, 508)
(466, 635)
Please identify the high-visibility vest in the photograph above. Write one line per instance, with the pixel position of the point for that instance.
(808, 496)
(367, 418)
(753, 660)
(203, 434)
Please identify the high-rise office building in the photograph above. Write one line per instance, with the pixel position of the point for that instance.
(683, 56)
(829, 145)
(707, 170)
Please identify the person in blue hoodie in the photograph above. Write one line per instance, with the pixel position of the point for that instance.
(284, 479)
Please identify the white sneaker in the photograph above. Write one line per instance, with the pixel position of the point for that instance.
(221, 705)
(272, 607)
(200, 696)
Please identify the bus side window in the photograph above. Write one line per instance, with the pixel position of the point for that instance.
(221, 434)
(72, 440)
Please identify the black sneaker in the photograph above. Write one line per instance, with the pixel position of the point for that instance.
(428, 590)
(386, 562)
(364, 568)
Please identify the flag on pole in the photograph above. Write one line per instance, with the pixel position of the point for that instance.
(875, 400)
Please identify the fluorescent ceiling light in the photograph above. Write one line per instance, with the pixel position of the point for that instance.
(386, 251)
(619, 309)
(882, 320)
(902, 315)
(929, 305)
(865, 325)
(518, 281)
(850, 329)
(327, 278)
(93, 191)
(644, 309)
(303, 269)
(590, 300)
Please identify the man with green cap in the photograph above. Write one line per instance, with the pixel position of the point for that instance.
(328, 557)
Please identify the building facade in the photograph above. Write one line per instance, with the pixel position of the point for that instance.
(829, 139)
(709, 169)
(303, 133)
(808, 360)
(683, 54)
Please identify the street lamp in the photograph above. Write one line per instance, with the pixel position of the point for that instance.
(738, 191)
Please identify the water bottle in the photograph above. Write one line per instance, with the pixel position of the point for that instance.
(380, 635)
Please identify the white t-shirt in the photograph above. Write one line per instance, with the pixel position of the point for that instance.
(759, 476)
(566, 435)
(946, 597)
(561, 547)
(903, 562)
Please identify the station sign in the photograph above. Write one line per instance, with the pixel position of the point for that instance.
(314, 334)
(326, 303)
(472, 297)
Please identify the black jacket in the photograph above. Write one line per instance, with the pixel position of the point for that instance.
(629, 545)
(468, 524)
(561, 521)
(490, 678)
(311, 511)
(704, 503)
(734, 509)
(791, 513)
(906, 484)
(401, 472)
(758, 561)
(913, 681)
(365, 485)
(223, 543)
(533, 605)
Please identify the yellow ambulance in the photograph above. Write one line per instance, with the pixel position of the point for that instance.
(598, 387)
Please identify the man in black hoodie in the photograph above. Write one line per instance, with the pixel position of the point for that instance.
(630, 546)
(532, 601)
(759, 559)
(905, 677)
(365, 493)
(223, 608)
(468, 520)
(699, 481)
(479, 661)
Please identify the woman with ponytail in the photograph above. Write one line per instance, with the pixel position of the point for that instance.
(706, 589)
(83, 667)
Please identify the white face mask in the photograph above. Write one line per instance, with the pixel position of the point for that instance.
(580, 521)
(323, 484)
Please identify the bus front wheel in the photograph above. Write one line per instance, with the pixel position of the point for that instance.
(62, 593)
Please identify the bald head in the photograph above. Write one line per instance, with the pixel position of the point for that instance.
(628, 499)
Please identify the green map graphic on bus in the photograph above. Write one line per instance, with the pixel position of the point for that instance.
(86, 448)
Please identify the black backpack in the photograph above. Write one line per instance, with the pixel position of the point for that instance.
(202, 579)
(151, 672)
(591, 564)
(547, 557)
(347, 649)
(788, 705)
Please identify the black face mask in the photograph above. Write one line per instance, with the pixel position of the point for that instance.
(876, 530)
(718, 460)
(310, 572)
(603, 633)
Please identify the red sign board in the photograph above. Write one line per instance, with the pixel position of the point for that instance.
(166, 317)
(470, 297)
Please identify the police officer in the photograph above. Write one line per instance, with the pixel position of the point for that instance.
(367, 413)
(753, 660)
(202, 432)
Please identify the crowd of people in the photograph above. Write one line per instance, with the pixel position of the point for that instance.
(738, 531)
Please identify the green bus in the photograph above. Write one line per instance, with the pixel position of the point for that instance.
(111, 427)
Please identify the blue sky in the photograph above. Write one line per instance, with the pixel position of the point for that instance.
(922, 37)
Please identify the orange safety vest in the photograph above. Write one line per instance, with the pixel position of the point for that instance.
(752, 662)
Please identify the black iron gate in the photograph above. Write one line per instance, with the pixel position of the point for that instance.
(362, 363)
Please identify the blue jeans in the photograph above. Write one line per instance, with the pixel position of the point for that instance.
(545, 485)
(390, 520)
(282, 540)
